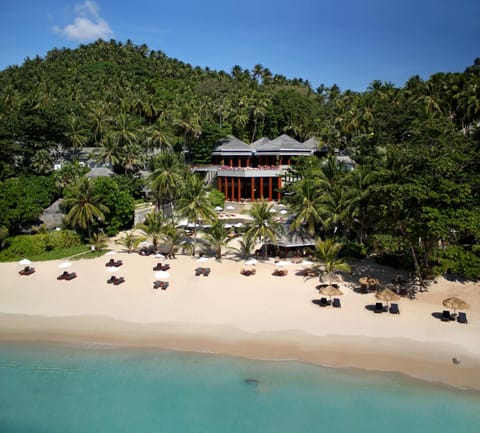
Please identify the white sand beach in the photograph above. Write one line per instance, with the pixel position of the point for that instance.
(259, 316)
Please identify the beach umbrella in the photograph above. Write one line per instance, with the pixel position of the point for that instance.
(64, 265)
(306, 263)
(330, 291)
(329, 277)
(238, 225)
(161, 275)
(283, 263)
(25, 262)
(227, 226)
(202, 259)
(111, 269)
(272, 210)
(218, 208)
(159, 256)
(111, 253)
(387, 295)
(251, 261)
(455, 303)
(369, 282)
(283, 212)
(230, 207)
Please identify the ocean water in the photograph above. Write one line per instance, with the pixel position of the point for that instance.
(89, 389)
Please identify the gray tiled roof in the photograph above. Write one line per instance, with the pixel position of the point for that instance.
(232, 143)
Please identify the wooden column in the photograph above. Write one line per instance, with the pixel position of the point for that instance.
(248, 162)
(261, 188)
(231, 162)
(233, 189)
(239, 189)
(270, 195)
(279, 186)
(226, 188)
(219, 184)
(252, 186)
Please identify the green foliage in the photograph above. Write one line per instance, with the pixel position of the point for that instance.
(454, 259)
(35, 245)
(119, 202)
(23, 199)
(70, 172)
(217, 198)
(353, 250)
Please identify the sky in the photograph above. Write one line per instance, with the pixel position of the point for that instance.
(349, 43)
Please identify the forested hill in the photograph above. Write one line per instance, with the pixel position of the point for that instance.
(114, 94)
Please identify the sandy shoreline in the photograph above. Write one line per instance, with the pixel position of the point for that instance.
(258, 317)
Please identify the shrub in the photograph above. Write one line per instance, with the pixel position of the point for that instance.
(455, 260)
(33, 245)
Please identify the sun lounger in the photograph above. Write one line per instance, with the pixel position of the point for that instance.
(198, 272)
(462, 318)
(157, 267)
(446, 316)
(70, 276)
(161, 285)
(165, 267)
(111, 279)
(111, 262)
(394, 309)
(378, 307)
(118, 281)
(336, 303)
(63, 276)
(118, 263)
(206, 272)
(27, 270)
(324, 302)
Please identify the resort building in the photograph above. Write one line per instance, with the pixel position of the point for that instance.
(250, 172)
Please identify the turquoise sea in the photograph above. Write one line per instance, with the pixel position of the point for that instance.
(87, 389)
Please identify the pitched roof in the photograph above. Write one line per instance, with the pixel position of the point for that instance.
(231, 143)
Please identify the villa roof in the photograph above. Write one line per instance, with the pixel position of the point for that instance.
(311, 143)
(284, 145)
(231, 144)
(292, 239)
(260, 142)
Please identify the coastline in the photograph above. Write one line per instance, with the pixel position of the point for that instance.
(256, 317)
(429, 362)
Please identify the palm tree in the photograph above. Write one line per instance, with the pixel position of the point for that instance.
(166, 178)
(246, 246)
(326, 252)
(84, 206)
(130, 241)
(307, 207)
(218, 237)
(159, 137)
(152, 228)
(263, 226)
(174, 238)
(98, 240)
(193, 203)
(76, 135)
(42, 162)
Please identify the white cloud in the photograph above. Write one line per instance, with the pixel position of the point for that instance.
(88, 25)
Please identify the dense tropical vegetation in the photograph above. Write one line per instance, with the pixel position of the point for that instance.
(414, 197)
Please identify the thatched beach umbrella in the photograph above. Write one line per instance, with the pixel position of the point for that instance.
(387, 295)
(330, 291)
(368, 283)
(455, 303)
(330, 277)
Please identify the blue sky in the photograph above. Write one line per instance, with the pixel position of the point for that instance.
(345, 42)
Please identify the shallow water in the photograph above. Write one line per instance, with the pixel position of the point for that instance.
(87, 389)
